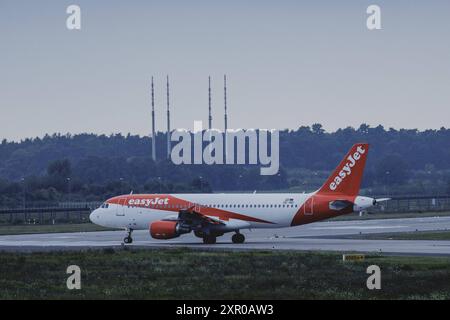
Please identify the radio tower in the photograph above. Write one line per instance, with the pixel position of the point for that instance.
(225, 117)
(225, 101)
(209, 103)
(153, 124)
(168, 121)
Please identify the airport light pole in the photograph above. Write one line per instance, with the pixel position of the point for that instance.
(68, 189)
(387, 183)
(121, 185)
(24, 204)
(159, 182)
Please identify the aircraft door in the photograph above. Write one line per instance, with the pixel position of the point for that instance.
(309, 207)
(120, 210)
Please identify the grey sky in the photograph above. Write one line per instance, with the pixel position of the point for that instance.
(289, 63)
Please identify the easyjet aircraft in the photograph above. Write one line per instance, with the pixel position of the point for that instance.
(209, 216)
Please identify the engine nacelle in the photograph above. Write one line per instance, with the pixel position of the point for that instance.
(167, 229)
(363, 203)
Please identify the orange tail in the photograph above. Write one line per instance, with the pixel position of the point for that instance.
(346, 178)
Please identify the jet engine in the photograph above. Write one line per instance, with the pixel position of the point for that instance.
(167, 229)
(363, 203)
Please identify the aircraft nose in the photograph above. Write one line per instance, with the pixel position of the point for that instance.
(93, 216)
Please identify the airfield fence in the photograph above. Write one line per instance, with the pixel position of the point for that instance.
(40, 213)
(78, 212)
(409, 204)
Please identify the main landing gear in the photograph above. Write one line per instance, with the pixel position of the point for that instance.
(128, 239)
(209, 239)
(212, 238)
(238, 238)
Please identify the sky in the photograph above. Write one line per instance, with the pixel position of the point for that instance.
(288, 64)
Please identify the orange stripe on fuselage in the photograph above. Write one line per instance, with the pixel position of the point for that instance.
(167, 202)
(317, 208)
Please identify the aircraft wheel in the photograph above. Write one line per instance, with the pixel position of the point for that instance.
(128, 240)
(199, 234)
(209, 239)
(238, 238)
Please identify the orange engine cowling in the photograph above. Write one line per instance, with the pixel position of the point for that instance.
(166, 230)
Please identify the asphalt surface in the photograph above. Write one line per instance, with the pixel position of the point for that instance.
(326, 236)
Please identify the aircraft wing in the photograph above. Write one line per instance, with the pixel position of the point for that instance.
(193, 217)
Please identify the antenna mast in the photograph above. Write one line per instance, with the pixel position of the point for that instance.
(209, 103)
(153, 124)
(225, 101)
(168, 121)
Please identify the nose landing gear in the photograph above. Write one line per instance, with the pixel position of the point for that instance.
(128, 239)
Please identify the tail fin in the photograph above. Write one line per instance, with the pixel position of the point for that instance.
(346, 178)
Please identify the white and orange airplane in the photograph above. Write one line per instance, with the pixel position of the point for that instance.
(168, 216)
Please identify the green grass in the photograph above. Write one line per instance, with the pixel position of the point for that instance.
(418, 235)
(36, 228)
(192, 274)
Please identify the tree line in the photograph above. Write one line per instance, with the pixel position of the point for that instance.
(83, 167)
